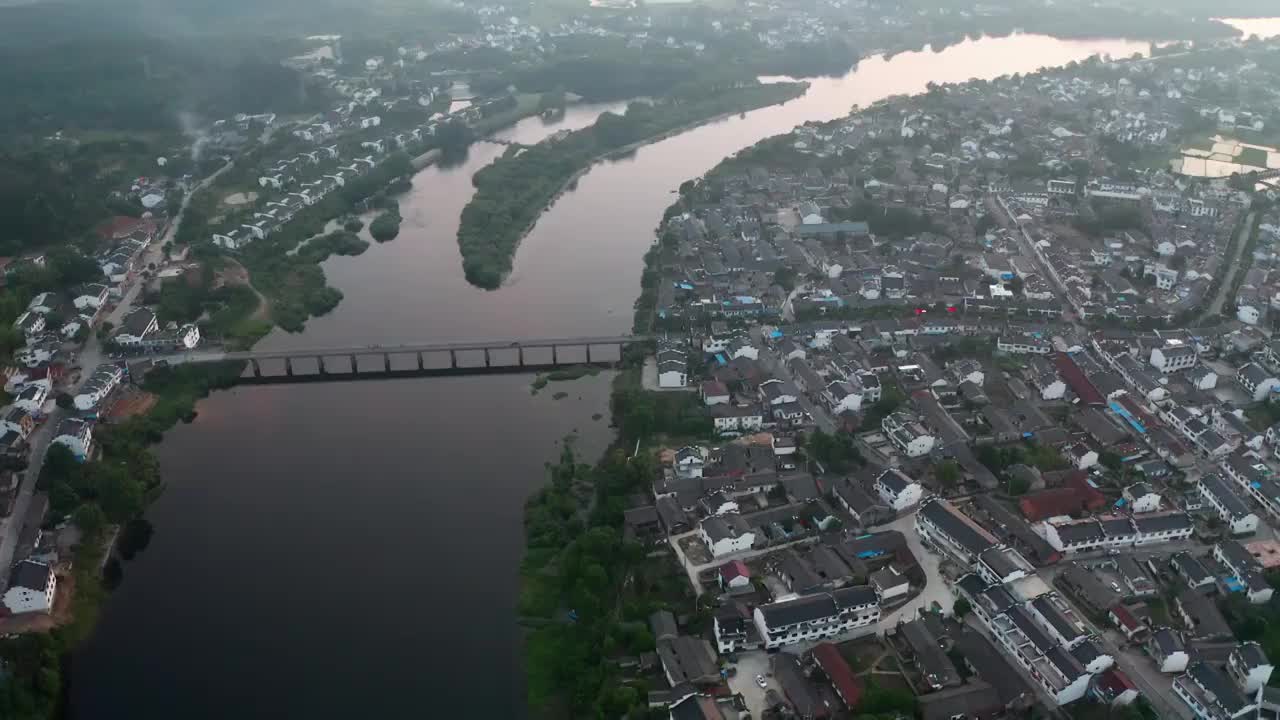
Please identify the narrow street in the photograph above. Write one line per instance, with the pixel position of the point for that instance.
(1233, 268)
(773, 364)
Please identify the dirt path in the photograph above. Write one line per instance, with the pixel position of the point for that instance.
(236, 274)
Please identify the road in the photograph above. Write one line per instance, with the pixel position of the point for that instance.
(11, 526)
(90, 356)
(773, 364)
(1233, 268)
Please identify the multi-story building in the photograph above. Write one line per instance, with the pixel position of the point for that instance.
(908, 434)
(945, 526)
(816, 616)
(1231, 508)
(897, 490)
(1210, 694)
(1174, 356)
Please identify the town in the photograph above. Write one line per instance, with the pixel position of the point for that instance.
(989, 384)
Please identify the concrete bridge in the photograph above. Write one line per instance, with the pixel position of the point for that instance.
(419, 359)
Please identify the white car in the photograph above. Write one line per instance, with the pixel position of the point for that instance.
(761, 681)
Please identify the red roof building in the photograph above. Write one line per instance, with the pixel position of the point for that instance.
(1128, 624)
(1050, 503)
(1115, 687)
(1092, 497)
(847, 685)
(733, 570)
(1076, 379)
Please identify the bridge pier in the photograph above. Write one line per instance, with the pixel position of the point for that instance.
(588, 354)
(257, 369)
(320, 364)
(288, 367)
(453, 359)
(520, 356)
(487, 362)
(420, 365)
(355, 366)
(386, 361)
(555, 360)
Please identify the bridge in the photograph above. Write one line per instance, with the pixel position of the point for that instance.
(419, 359)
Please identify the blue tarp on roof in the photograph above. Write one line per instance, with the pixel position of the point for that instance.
(775, 334)
(1233, 584)
(721, 359)
(870, 554)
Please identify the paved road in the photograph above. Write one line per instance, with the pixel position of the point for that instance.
(773, 364)
(11, 526)
(1233, 268)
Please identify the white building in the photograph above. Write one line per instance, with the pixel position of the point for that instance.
(31, 588)
(1173, 357)
(1257, 382)
(1249, 666)
(1231, 508)
(907, 434)
(136, 326)
(105, 378)
(1211, 695)
(726, 534)
(76, 435)
(816, 616)
(33, 396)
(1141, 498)
(897, 490)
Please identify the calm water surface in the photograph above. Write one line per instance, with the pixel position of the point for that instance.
(351, 550)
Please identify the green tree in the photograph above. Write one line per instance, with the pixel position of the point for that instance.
(1110, 460)
(947, 473)
(962, 607)
(89, 518)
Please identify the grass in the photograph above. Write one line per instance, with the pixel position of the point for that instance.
(572, 373)
(526, 105)
(1256, 157)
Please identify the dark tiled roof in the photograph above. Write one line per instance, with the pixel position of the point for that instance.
(30, 574)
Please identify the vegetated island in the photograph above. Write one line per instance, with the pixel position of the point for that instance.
(513, 191)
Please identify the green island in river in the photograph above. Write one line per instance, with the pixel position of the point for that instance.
(514, 190)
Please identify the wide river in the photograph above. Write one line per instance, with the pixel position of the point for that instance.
(351, 550)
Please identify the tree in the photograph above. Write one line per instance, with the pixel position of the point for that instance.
(1015, 286)
(947, 473)
(961, 607)
(64, 401)
(1110, 460)
(686, 188)
(89, 518)
(785, 278)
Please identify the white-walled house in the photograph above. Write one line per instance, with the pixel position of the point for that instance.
(907, 434)
(816, 616)
(1231, 508)
(1141, 498)
(1173, 357)
(897, 490)
(726, 534)
(76, 435)
(1257, 382)
(136, 326)
(1249, 666)
(33, 396)
(32, 586)
(105, 378)
(1082, 456)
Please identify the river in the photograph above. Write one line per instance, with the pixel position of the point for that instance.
(351, 550)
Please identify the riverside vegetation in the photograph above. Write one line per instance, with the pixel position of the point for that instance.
(513, 191)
